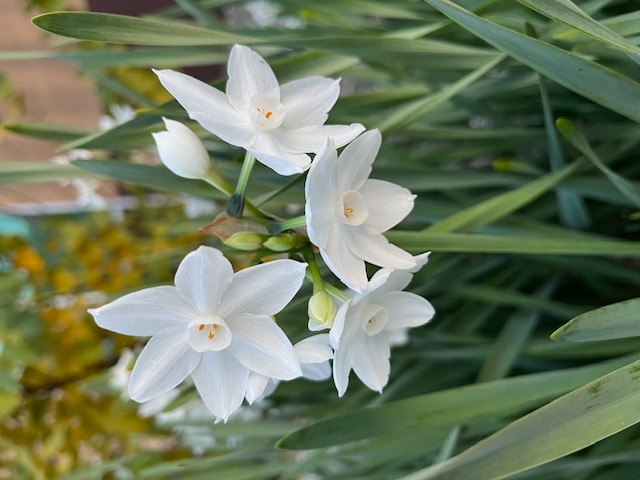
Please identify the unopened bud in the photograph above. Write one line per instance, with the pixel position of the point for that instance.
(248, 241)
(284, 242)
(181, 151)
(322, 311)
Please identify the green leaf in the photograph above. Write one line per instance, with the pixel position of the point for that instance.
(105, 27)
(46, 131)
(27, 172)
(619, 320)
(408, 114)
(595, 82)
(570, 14)
(148, 176)
(462, 242)
(497, 207)
(572, 422)
(578, 140)
(470, 403)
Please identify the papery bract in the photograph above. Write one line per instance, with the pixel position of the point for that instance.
(371, 322)
(214, 325)
(279, 125)
(347, 212)
(181, 151)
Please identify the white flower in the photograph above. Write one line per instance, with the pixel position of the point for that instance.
(181, 151)
(346, 212)
(313, 353)
(369, 323)
(279, 125)
(214, 325)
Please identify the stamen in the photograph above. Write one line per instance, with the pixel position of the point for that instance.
(347, 212)
(201, 327)
(215, 325)
(268, 115)
(211, 335)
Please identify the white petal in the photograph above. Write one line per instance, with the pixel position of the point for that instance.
(337, 329)
(263, 289)
(241, 133)
(388, 204)
(299, 139)
(344, 264)
(406, 310)
(342, 134)
(341, 369)
(221, 382)
(163, 364)
(257, 387)
(146, 312)
(374, 248)
(202, 277)
(261, 346)
(249, 74)
(371, 360)
(322, 197)
(356, 159)
(181, 151)
(198, 97)
(316, 371)
(314, 349)
(308, 100)
(280, 160)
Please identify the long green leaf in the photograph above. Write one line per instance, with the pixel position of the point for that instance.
(500, 206)
(462, 242)
(46, 131)
(570, 14)
(601, 85)
(620, 320)
(104, 27)
(574, 421)
(578, 140)
(466, 404)
(28, 172)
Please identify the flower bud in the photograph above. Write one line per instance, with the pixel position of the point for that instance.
(284, 242)
(322, 310)
(181, 151)
(248, 241)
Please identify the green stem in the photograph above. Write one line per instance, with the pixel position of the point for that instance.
(216, 180)
(291, 223)
(243, 180)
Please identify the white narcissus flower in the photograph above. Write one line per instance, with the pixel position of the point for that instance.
(371, 322)
(347, 213)
(279, 125)
(214, 325)
(313, 353)
(181, 151)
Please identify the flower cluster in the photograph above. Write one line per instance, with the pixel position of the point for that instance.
(217, 325)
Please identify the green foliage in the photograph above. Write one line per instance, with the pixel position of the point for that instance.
(521, 143)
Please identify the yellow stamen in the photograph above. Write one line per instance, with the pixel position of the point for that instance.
(268, 115)
(211, 335)
(201, 327)
(348, 211)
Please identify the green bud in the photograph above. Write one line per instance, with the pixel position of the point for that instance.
(248, 241)
(284, 242)
(322, 311)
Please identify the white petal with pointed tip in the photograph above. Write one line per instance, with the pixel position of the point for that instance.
(145, 312)
(261, 346)
(163, 364)
(262, 289)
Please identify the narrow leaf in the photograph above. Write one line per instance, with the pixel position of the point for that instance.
(620, 320)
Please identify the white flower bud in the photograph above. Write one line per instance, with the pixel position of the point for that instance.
(181, 151)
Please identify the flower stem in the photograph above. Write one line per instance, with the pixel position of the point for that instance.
(295, 222)
(319, 284)
(216, 180)
(237, 203)
(243, 180)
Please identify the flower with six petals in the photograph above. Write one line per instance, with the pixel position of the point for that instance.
(279, 125)
(347, 212)
(214, 325)
(371, 322)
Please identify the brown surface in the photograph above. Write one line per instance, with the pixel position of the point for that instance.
(53, 92)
